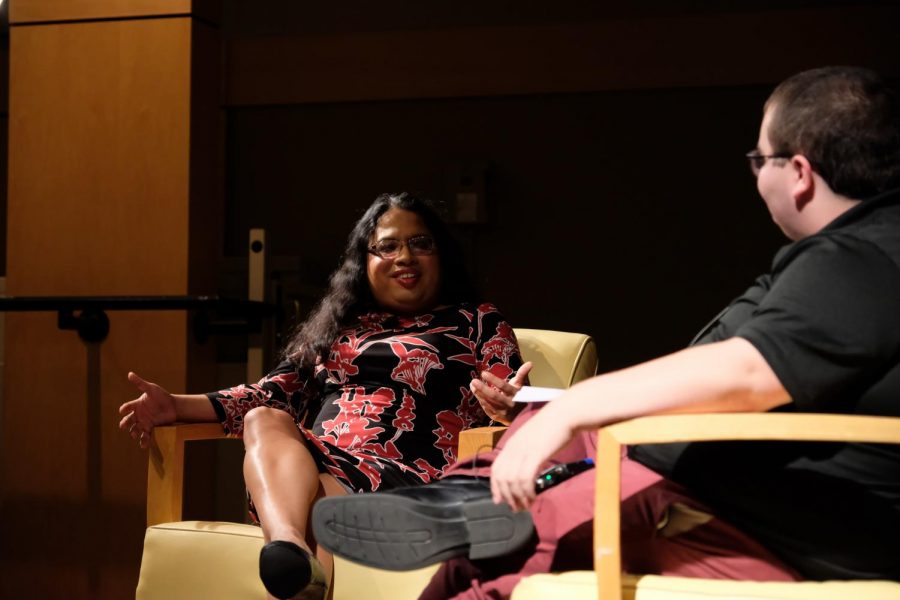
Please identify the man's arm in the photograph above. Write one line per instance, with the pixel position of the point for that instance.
(727, 376)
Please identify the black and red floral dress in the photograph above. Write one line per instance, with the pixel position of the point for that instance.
(394, 394)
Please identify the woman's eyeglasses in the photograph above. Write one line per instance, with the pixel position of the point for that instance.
(757, 160)
(421, 245)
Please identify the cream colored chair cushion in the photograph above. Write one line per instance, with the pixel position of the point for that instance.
(356, 582)
(219, 560)
(184, 557)
(582, 585)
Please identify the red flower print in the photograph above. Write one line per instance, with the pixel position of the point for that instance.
(390, 396)
(486, 309)
(372, 321)
(343, 354)
(243, 391)
(428, 473)
(417, 321)
(414, 366)
(371, 472)
(469, 409)
(416, 340)
(355, 426)
(499, 370)
(447, 434)
(288, 382)
(406, 414)
(501, 346)
(467, 358)
(340, 361)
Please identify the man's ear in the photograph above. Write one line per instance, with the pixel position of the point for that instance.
(804, 184)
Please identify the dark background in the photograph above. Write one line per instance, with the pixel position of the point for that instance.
(605, 216)
(606, 143)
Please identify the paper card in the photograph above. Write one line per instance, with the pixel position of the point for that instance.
(530, 393)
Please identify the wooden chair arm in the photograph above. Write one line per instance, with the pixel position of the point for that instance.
(704, 428)
(165, 476)
(478, 440)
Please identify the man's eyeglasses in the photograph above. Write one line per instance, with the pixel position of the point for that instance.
(421, 245)
(757, 160)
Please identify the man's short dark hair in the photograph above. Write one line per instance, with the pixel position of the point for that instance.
(846, 122)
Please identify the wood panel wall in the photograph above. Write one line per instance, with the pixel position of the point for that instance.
(112, 169)
(650, 52)
(44, 11)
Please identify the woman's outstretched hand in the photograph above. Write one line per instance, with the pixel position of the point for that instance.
(155, 406)
(496, 395)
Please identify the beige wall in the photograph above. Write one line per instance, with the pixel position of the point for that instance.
(105, 191)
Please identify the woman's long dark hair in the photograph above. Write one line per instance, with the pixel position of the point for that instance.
(349, 294)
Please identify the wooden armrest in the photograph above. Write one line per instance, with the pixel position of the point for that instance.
(165, 476)
(705, 428)
(478, 440)
(756, 426)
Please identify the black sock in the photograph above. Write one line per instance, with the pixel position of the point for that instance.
(284, 568)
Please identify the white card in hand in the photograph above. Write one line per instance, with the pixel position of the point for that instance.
(529, 393)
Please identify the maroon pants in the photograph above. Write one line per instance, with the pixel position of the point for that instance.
(664, 532)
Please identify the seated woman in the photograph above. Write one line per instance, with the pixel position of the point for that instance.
(372, 393)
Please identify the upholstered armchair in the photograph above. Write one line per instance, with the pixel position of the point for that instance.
(210, 559)
(607, 581)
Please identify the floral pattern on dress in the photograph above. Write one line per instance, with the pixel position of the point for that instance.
(393, 393)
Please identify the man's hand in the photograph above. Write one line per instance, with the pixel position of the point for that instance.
(514, 471)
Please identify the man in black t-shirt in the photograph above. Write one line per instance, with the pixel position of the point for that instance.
(819, 333)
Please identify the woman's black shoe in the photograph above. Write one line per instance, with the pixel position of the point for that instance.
(286, 569)
(412, 527)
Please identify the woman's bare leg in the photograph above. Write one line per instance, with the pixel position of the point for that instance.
(284, 481)
(280, 474)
